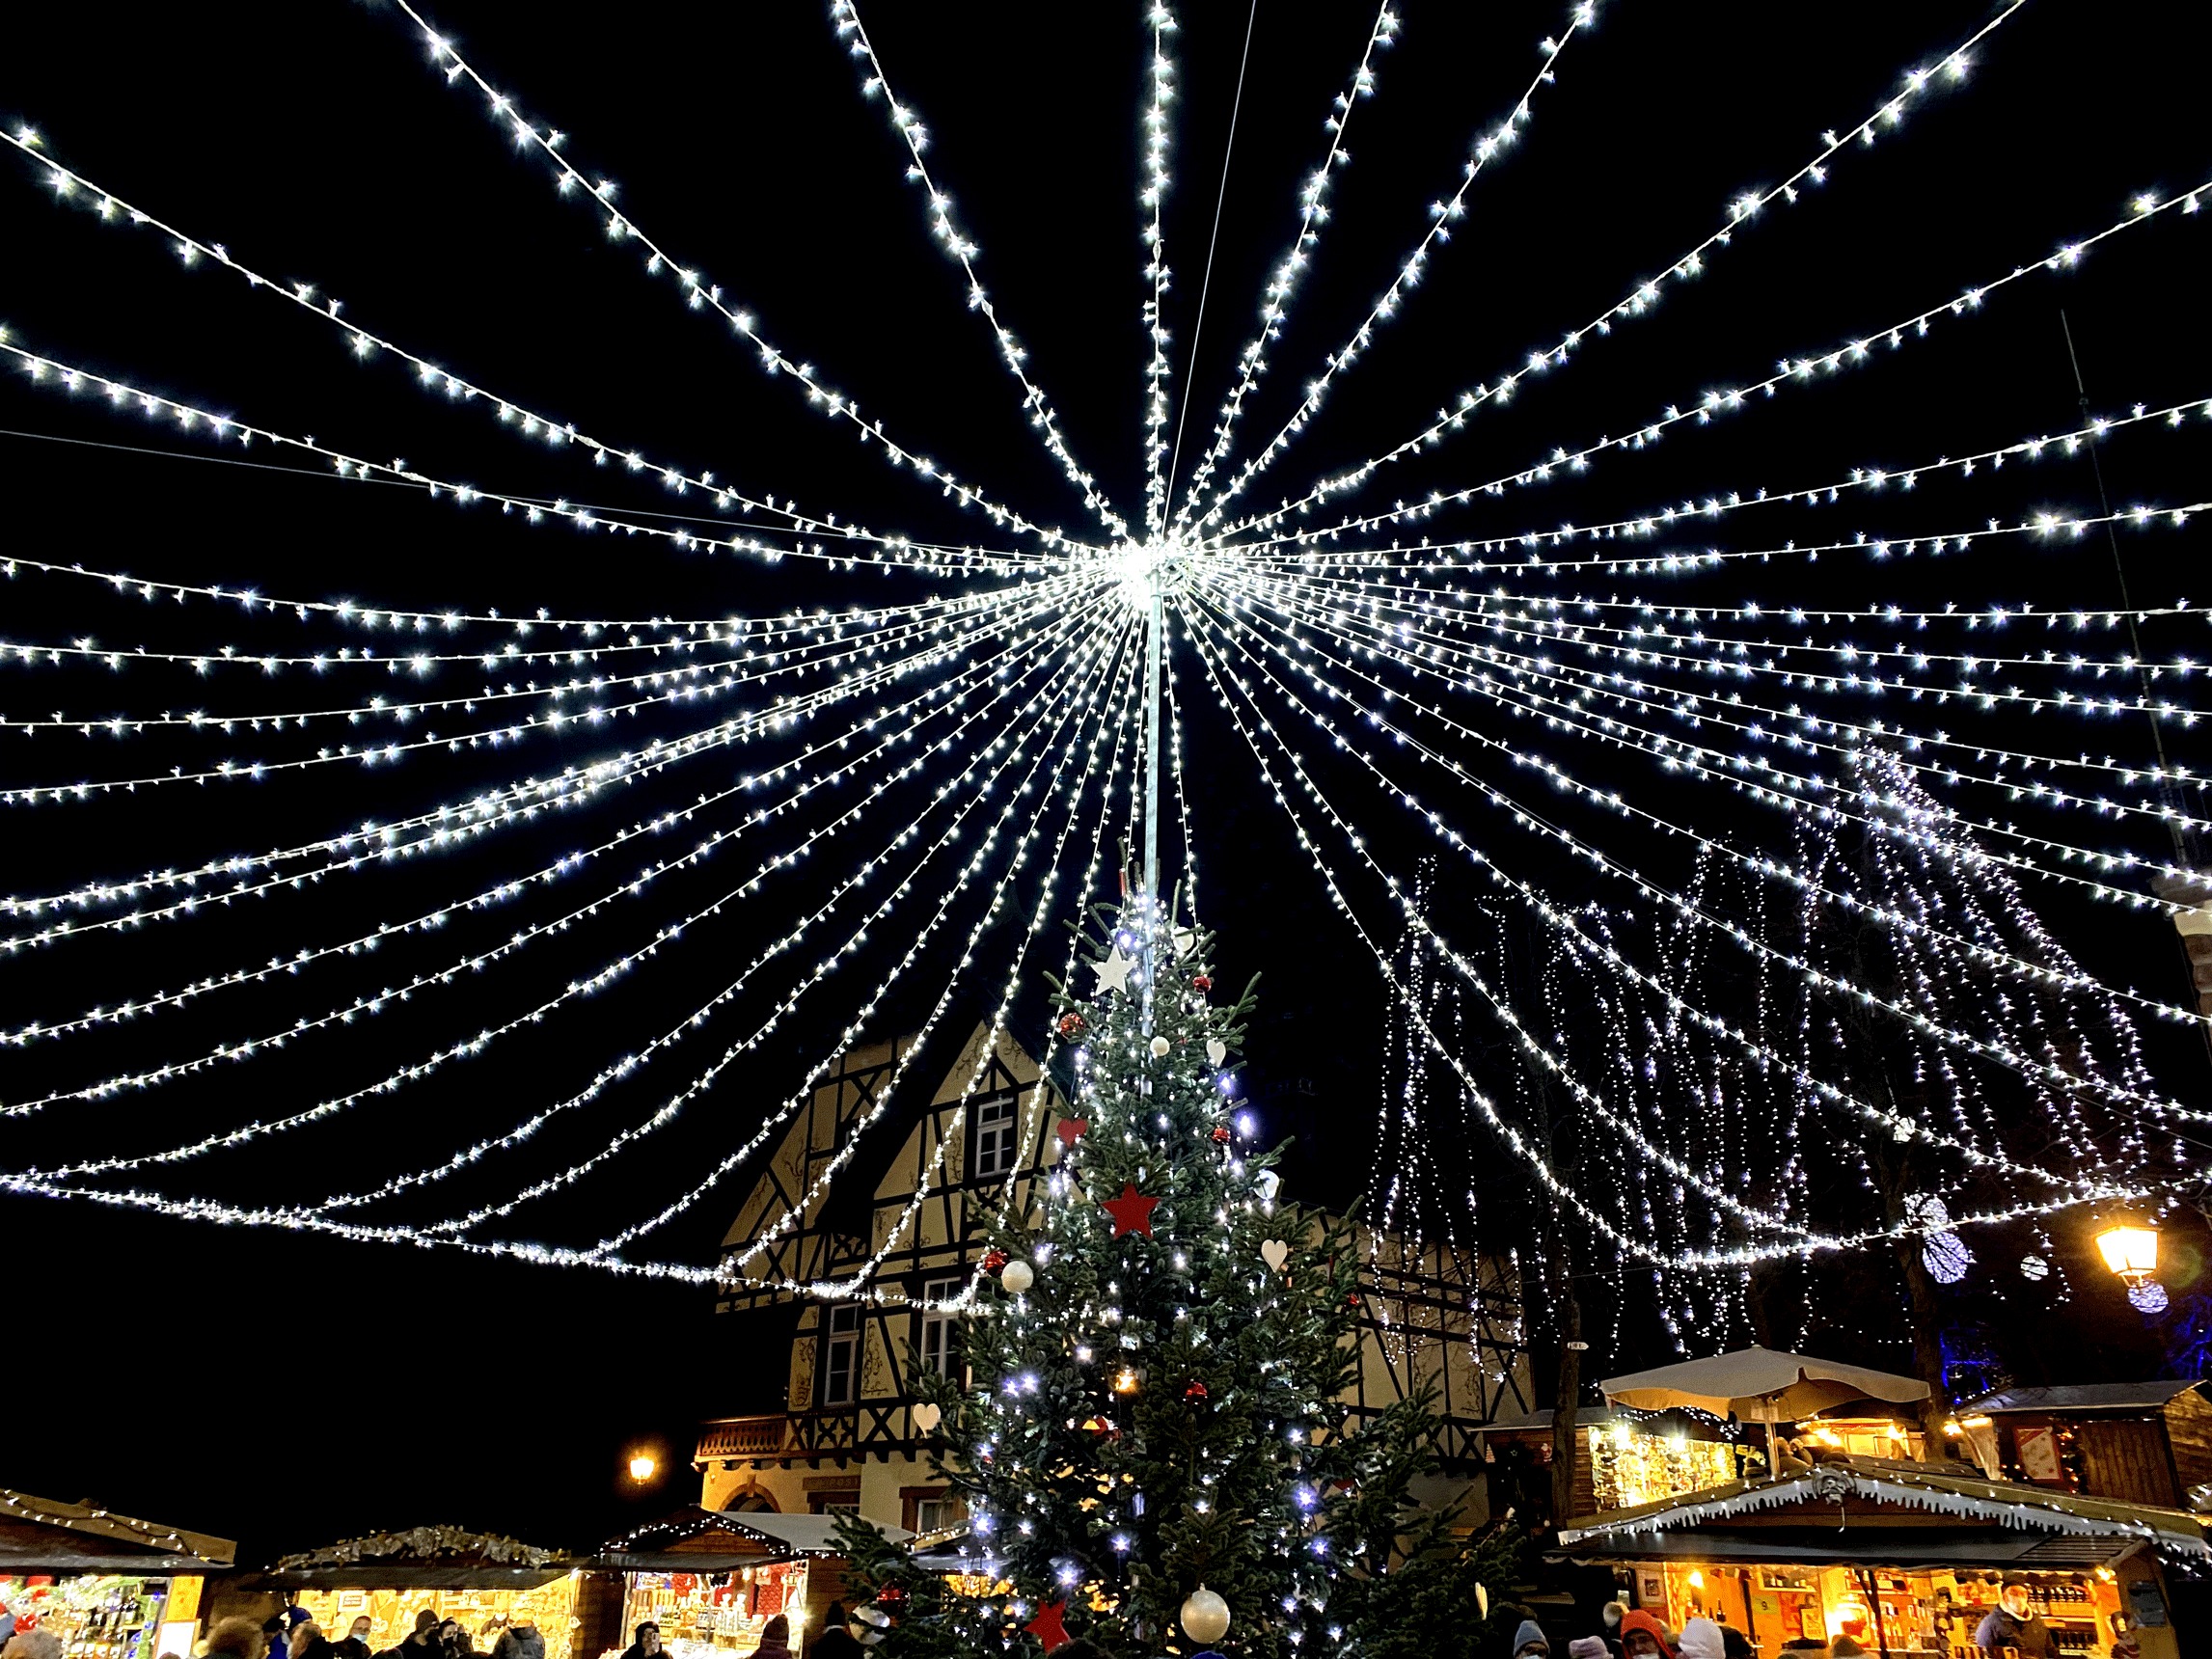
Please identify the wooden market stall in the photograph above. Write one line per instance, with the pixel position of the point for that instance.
(108, 1585)
(711, 1579)
(1905, 1557)
(484, 1581)
(2148, 1441)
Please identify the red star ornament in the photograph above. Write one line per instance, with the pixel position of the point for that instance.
(1046, 1627)
(1131, 1211)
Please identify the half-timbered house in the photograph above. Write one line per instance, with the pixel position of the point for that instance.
(830, 1420)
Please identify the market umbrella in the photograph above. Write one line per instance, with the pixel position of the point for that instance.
(1759, 1383)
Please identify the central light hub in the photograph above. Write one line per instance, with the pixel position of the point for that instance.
(1146, 569)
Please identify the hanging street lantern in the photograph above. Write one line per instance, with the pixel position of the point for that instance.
(2131, 1252)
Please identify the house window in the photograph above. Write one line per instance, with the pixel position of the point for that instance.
(841, 1356)
(839, 1503)
(930, 1508)
(997, 1123)
(941, 1331)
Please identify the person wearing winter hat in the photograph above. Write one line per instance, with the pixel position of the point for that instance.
(1701, 1639)
(1588, 1648)
(2014, 1622)
(1530, 1639)
(1643, 1636)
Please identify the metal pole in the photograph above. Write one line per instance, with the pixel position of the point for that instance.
(1151, 866)
(1149, 870)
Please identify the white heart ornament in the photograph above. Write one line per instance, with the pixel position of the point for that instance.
(1216, 1051)
(926, 1418)
(1275, 1253)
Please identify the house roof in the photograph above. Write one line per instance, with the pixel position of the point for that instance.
(45, 1536)
(1836, 1510)
(2084, 1397)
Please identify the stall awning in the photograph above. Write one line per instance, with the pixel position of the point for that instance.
(695, 1539)
(45, 1536)
(1872, 1513)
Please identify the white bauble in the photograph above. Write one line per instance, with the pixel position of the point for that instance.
(1016, 1276)
(1205, 1616)
(1159, 1047)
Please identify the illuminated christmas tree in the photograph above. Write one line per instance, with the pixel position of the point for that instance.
(1150, 1437)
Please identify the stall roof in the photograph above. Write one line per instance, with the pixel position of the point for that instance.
(1872, 1511)
(45, 1536)
(2083, 1396)
(421, 1557)
(695, 1540)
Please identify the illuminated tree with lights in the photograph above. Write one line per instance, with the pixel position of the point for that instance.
(2044, 1094)
(1151, 1419)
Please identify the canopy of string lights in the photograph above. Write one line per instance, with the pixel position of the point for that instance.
(1807, 696)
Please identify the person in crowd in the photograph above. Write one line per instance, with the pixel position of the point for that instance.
(775, 1640)
(356, 1643)
(1806, 1647)
(837, 1641)
(2014, 1622)
(521, 1639)
(308, 1642)
(1589, 1648)
(646, 1642)
(1735, 1644)
(1643, 1636)
(1846, 1646)
(1529, 1641)
(422, 1641)
(32, 1643)
(1609, 1632)
(236, 1638)
(1701, 1639)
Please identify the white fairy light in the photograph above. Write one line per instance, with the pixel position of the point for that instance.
(845, 18)
(1487, 145)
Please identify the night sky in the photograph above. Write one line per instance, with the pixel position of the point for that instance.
(288, 1390)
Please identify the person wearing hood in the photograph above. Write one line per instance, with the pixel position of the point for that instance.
(1643, 1636)
(1702, 1639)
(520, 1640)
(1529, 1641)
(836, 1643)
(775, 1640)
(2014, 1622)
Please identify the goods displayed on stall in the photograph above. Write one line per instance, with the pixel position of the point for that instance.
(1905, 1560)
(481, 1581)
(712, 1579)
(104, 1584)
(1630, 1464)
(717, 1612)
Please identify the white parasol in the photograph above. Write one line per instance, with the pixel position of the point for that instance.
(1760, 1385)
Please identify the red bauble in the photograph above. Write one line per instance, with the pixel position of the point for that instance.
(1221, 1135)
(994, 1261)
(1202, 982)
(1195, 1392)
(1072, 1024)
(890, 1595)
(1352, 1299)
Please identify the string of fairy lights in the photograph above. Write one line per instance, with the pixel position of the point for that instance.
(728, 847)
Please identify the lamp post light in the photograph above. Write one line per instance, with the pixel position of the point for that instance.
(2131, 1252)
(644, 1466)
